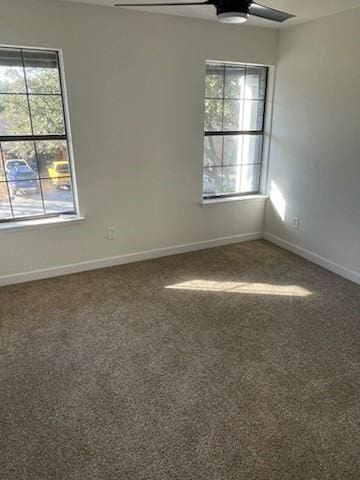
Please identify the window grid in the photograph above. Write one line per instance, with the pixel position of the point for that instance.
(235, 133)
(34, 138)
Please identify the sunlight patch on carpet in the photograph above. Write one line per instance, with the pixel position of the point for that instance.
(242, 287)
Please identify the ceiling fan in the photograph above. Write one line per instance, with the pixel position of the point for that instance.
(227, 11)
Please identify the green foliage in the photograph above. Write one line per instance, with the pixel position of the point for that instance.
(43, 80)
(221, 111)
(46, 110)
(222, 104)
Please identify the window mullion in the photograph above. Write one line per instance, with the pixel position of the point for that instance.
(25, 138)
(27, 91)
(40, 182)
(233, 132)
(32, 130)
(222, 125)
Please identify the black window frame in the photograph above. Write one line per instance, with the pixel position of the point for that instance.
(222, 133)
(66, 136)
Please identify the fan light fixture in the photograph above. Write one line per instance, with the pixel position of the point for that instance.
(227, 11)
(232, 17)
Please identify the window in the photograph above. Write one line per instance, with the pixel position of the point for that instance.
(35, 168)
(235, 98)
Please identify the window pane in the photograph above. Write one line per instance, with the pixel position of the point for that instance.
(252, 149)
(255, 83)
(234, 81)
(213, 150)
(231, 180)
(58, 198)
(47, 114)
(212, 181)
(53, 159)
(233, 145)
(253, 115)
(19, 160)
(11, 71)
(233, 110)
(242, 149)
(250, 178)
(42, 72)
(213, 115)
(26, 198)
(214, 84)
(14, 115)
(5, 209)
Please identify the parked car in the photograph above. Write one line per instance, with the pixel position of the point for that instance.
(59, 172)
(15, 162)
(22, 179)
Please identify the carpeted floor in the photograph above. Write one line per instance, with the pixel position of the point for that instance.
(235, 363)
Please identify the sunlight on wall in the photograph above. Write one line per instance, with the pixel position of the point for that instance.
(242, 287)
(278, 201)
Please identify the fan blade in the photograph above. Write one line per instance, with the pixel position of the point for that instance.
(161, 4)
(268, 13)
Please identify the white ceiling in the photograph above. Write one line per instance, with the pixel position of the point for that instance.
(305, 10)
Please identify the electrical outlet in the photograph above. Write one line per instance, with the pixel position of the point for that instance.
(111, 233)
(296, 223)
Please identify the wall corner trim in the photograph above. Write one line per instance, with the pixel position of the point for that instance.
(314, 258)
(174, 250)
(125, 258)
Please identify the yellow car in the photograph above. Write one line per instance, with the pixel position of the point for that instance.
(59, 172)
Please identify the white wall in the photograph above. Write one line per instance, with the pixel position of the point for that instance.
(315, 147)
(135, 85)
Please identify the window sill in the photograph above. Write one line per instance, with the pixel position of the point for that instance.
(41, 222)
(244, 198)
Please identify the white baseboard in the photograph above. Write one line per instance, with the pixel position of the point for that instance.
(313, 257)
(126, 258)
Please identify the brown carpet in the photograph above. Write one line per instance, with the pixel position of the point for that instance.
(248, 369)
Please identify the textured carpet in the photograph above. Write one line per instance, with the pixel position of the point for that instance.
(247, 368)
